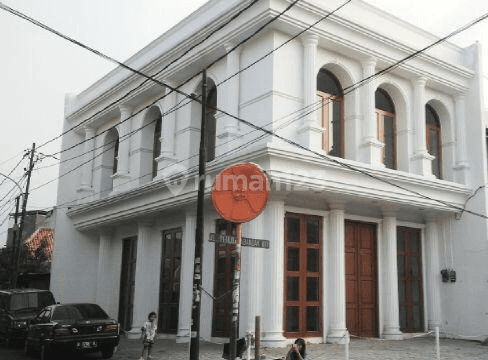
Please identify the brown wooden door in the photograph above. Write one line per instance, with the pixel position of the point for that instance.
(169, 287)
(303, 265)
(361, 279)
(224, 267)
(410, 294)
(127, 282)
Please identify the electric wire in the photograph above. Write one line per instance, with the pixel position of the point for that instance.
(220, 27)
(282, 138)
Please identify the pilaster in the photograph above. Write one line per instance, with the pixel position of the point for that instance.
(144, 293)
(461, 168)
(273, 284)
(230, 100)
(103, 289)
(186, 282)
(421, 159)
(370, 145)
(121, 177)
(337, 299)
(310, 130)
(167, 155)
(433, 273)
(391, 318)
(86, 187)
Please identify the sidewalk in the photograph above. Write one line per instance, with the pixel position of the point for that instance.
(370, 349)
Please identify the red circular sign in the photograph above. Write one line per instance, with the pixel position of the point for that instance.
(240, 192)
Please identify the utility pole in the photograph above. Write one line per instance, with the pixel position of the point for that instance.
(197, 265)
(18, 247)
(14, 242)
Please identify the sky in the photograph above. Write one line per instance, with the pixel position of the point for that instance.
(37, 69)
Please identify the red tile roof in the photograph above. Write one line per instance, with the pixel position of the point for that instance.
(41, 238)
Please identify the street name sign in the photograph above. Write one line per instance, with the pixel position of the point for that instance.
(231, 240)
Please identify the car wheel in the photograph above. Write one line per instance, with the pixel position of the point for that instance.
(44, 352)
(27, 349)
(108, 352)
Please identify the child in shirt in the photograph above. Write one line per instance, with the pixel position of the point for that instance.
(149, 331)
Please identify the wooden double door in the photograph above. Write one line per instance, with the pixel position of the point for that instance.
(361, 279)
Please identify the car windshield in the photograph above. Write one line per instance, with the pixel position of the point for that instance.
(79, 312)
(30, 301)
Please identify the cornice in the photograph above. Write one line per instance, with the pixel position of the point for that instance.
(105, 88)
(135, 203)
(361, 30)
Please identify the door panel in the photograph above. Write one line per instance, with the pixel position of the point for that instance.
(127, 282)
(410, 294)
(224, 267)
(361, 279)
(169, 288)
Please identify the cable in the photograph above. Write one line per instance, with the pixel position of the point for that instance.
(269, 132)
(35, 22)
(159, 72)
(11, 171)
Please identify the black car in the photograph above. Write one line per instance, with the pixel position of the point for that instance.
(63, 328)
(17, 308)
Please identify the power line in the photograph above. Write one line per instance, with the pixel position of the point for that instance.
(270, 132)
(158, 72)
(148, 78)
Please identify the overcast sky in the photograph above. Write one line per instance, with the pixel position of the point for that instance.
(37, 68)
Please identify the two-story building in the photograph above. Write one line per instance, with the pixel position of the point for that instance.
(369, 177)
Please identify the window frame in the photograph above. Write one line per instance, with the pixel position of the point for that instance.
(325, 120)
(436, 128)
(380, 119)
(303, 274)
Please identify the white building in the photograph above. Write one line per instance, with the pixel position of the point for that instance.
(360, 228)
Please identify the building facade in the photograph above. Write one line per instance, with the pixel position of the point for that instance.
(376, 179)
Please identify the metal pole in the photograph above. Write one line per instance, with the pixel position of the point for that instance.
(197, 265)
(14, 240)
(234, 327)
(257, 337)
(22, 219)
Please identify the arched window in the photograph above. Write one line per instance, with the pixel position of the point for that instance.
(330, 93)
(385, 115)
(433, 133)
(156, 147)
(211, 122)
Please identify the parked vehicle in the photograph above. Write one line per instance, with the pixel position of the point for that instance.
(63, 328)
(17, 308)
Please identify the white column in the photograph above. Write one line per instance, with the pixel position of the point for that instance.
(86, 180)
(337, 299)
(273, 283)
(103, 289)
(146, 291)
(168, 128)
(252, 276)
(433, 271)
(310, 130)
(422, 160)
(121, 177)
(391, 314)
(229, 97)
(371, 147)
(462, 165)
(186, 282)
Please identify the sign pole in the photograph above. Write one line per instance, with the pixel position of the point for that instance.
(197, 265)
(234, 328)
